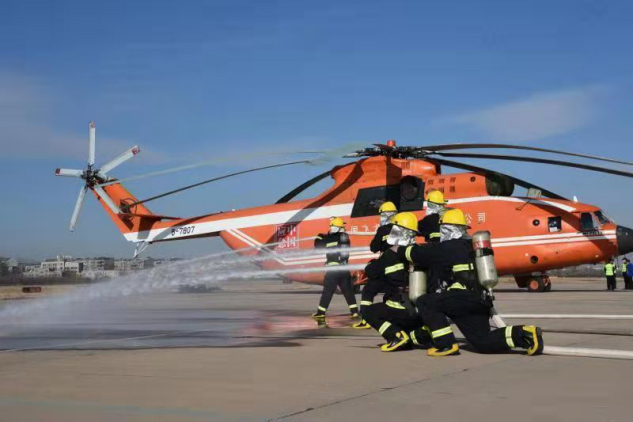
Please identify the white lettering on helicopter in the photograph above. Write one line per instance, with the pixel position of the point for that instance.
(180, 231)
(286, 235)
(481, 217)
(366, 229)
(591, 232)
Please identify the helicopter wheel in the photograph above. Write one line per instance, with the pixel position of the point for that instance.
(537, 284)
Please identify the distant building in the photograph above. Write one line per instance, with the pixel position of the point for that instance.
(134, 264)
(165, 261)
(97, 264)
(62, 266)
(10, 266)
(93, 268)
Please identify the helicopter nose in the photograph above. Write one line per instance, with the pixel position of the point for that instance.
(624, 237)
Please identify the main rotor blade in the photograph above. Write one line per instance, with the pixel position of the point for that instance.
(536, 160)
(518, 182)
(119, 160)
(344, 151)
(217, 160)
(69, 172)
(215, 179)
(296, 191)
(77, 210)
(451, 147)
(92, 145)
(108, 201)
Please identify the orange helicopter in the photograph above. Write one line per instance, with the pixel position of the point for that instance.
(530, 234)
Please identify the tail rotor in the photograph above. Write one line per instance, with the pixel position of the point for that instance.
(94, 177)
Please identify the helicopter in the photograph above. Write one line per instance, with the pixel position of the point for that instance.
(531, 234)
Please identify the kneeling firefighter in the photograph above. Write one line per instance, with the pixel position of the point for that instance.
(395, 318)
(337, 241)
(378, 244)
(455, 292)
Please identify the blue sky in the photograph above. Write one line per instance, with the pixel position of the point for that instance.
(200, 80)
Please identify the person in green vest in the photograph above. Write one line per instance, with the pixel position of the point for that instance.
(609, 272)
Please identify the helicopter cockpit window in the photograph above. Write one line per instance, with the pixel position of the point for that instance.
(602, 218)
(369, 200)
(406, 196)
(587, 222)
(554, 224)
(411, 193)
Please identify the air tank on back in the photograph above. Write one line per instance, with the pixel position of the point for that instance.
(417, 284)
(485, 260)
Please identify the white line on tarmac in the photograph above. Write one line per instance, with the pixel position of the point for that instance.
(570, 351)
(588, 353)
(567, 316)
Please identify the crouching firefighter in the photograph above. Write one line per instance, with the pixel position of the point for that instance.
(378, 244)
(395, 318)
(455, 293)
(337, 241)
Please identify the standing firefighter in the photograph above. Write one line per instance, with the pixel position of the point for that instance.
(394, 319)
(429, 226)
(337, 241)
(609, 272)
(378, 244)
(455, 293)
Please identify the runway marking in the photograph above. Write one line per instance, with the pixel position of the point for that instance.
(567, 316)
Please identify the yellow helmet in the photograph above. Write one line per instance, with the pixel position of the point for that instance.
(436, 197)
(408, 220)
(337, 222)
(387, 207)
(455, 217)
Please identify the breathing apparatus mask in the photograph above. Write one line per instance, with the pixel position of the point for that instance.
(451, 232)
(401, 236)
(433, 208)
(334, 229)
(385, 217)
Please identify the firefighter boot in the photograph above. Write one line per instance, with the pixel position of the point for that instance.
(319, 315)
(399, 342)
(444, 351)
(362, 325)
(353, 311)
(421, 338)
(533, 339)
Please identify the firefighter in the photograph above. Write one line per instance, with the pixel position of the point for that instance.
(395, 318)
(378, 244)
(429, 226)
(336, 240)
(628, 284)
(629, 273)
(454, 292)
(609, 272)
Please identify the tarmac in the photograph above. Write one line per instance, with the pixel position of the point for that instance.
(251, 352)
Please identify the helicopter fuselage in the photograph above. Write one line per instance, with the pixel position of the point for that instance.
(529, 234)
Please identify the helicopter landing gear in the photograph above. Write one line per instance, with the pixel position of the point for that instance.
(534, 283)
